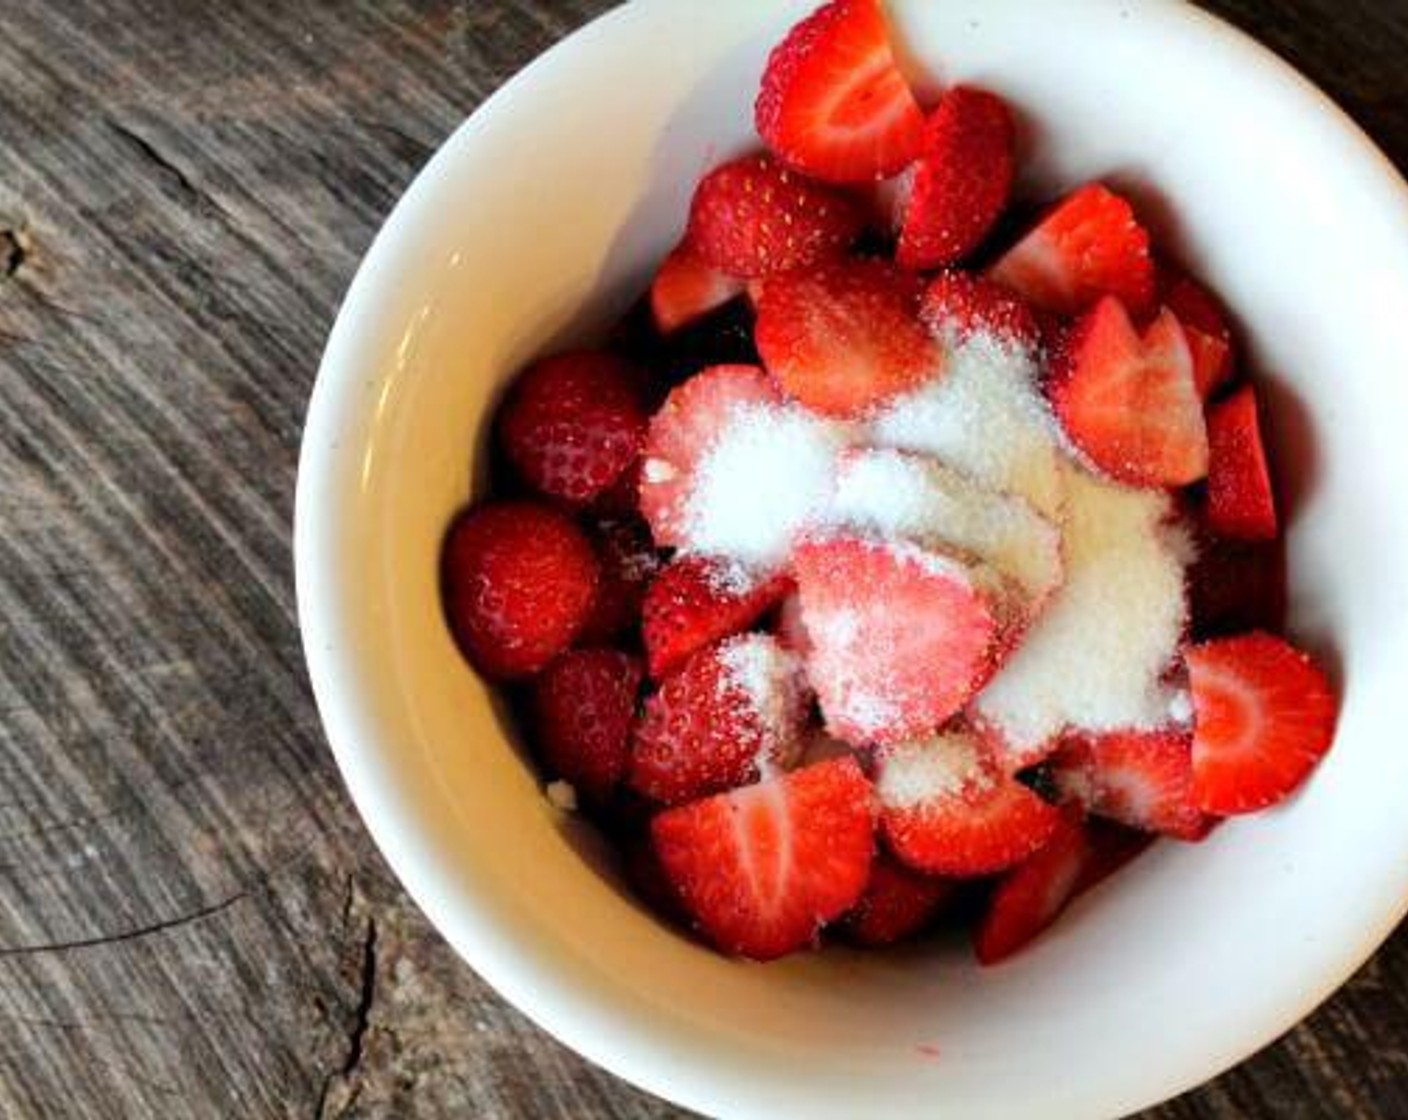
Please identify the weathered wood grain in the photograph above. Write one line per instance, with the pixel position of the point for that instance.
(192, 921)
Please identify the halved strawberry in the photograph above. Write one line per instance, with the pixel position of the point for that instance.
(897, 904)
(958, 305)
(833, 102)
(1143, 779)
(1031, 896)
(945, 809)
(583, 707)
(844, 337)
(962, 180)
(753, 217)
(628, 563)
(573, 424)
(696, 601)
(762, 869)
(1090, 245)
(1129, 402)
(519, 580)
(1240, 500)
(1264, 716)
(901, 637)
(687, 288)
(1205, 323)
(735, 711)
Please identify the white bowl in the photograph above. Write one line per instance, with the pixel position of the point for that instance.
(540, 218)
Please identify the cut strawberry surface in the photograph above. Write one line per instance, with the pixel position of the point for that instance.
(1129, 403)
(695, 601)
(762, 869)
(628, 564)
(1032, 896)
(1264, 716)
(962, 181)
(1143, 779)
(897, 904)
(833, 103)
(1240, 500)
(901, 637)
(734, 712)
(845, 337)
(753, 217)
(1205, 323)
(687, 288)
(1089, 246)
(958, 305)
(584, 705)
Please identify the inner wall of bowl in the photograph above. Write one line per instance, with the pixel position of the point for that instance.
(542, 219)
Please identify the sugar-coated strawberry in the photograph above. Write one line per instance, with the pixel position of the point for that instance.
(901, 637)
(1143, 779)
(687, 288)
(573, 424)
(681, 434)
(1240, 500)
(519, 580)
(958, 305)
(762, 869)
(844, 337)
(695, 601)
(962, 180)
(1205, 323)
(833, 103)
(753, 217)
(1032, 895)
(734, 711)
(1112, 848)
(1129, 402)
(897, 904)
(1236, 586)
(1090, 245)
(584, 705)
(1264, 716)
(628, 564)
(945, 809)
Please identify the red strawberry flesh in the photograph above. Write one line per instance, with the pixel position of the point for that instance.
(687, 288)
(1033, 895)
(1241, 504)
(897, 904)
(1143, 779)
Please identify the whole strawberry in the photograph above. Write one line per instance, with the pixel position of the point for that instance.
(583, 707)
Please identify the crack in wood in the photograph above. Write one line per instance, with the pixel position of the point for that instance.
(130, 935)
(13, 252)
(361, 1024)
(172, 172)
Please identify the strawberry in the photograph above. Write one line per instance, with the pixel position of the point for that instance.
(901, 637)
(687, 288)
(1129, 403)
(573, 424)
(962, 180)
(958, 305)
(752, 217)
(1240, 500)
(696, 601)
(945, 809)
(762, 869)
(1112, 848)
(628, 564)
(518, 580)
(833, 103)
(681, 434)
(1235, 586)
(1264, 715)
(791, 630)
(897, 904)
(1090, 245)
(1205, 323)
(736, 710)
(584, 704)
(1032, 895)
(1143, 779)
(843, 338)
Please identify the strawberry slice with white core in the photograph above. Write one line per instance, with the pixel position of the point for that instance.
(1205, 323)
(762, 869)
(1143, 779)
(687, 288)
(1033, 895)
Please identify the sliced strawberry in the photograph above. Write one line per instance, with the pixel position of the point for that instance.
(753, 217)
(958, 305)
(762, 869)
(962, 180)
(628, 564)
(1112, 848)
(897, 904)
(901, 637)
(1240, 500)
(696, 601)
(735, 711)
(844, 337)
(945, 809)
(687, 288)
(1264, 715)
(1031, 896)
(583, 707)
(833, 103)
(1129, 402)
(573, 424)
(1236, 586)
(1143, 779)
(518, 580)
(1090, 245)
(1205, 323)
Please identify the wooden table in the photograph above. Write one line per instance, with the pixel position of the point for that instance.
(193, 922)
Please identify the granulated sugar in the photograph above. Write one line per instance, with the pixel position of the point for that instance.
(928, 769)
(773, 684)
